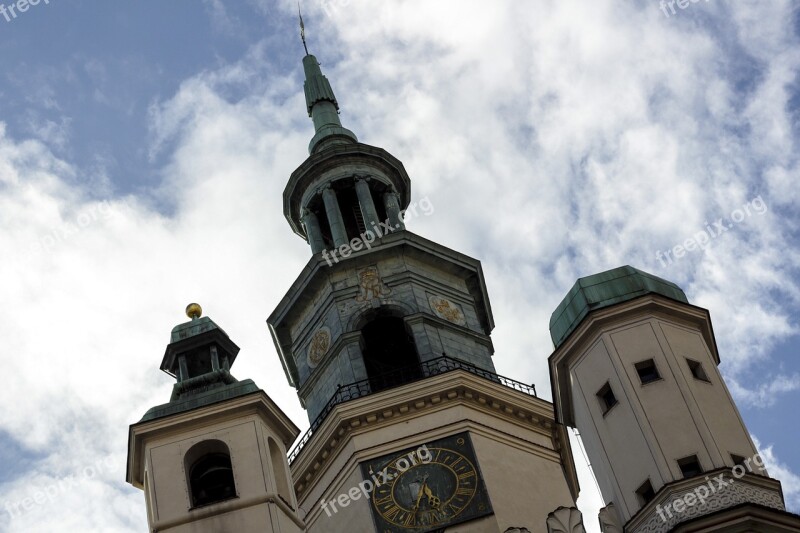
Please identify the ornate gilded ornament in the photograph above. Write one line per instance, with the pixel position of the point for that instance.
(320, 343)
(371, 286)
(447, 310)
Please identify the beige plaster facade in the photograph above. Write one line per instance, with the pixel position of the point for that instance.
(256, 433)
(524, 457)
(687, 411)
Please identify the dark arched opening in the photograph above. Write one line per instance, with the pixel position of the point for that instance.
(210, 473)
(390, 356)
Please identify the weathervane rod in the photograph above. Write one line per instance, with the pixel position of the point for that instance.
(302, 28)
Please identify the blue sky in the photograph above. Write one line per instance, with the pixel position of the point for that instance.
(144, 148)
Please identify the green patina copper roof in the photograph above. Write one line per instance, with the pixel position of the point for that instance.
(201, 399)
(604, 290)
(192, 328)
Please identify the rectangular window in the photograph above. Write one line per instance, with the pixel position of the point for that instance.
(647, 371)
(690, 466)
(607, 398)
(697, 370)
(737, 459)
(645, 493)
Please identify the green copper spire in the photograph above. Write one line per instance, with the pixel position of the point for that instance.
(321, 105)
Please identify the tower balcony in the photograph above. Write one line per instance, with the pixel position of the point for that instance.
(397, 378)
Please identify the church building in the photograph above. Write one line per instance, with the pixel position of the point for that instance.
(386, 336)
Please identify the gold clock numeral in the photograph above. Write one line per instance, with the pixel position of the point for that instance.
(466, 475)
(431, 517)
(463, 491)
(392, 512)
(384, 500)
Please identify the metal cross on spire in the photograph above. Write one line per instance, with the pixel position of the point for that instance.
(302, 28)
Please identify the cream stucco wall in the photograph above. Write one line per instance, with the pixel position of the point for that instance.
(262, 502)
(654, 424)
(518, 461)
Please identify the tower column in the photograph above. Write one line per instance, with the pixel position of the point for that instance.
(392, 204)
(313, 232)
(366, 202)
(334, 215)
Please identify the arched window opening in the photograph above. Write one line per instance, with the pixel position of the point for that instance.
(390, 356)
(210, 473)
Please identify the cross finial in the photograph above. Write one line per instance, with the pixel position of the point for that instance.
(302, 28)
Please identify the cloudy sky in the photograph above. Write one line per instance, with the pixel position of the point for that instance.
(144, 148)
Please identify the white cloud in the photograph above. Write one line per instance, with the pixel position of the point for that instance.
(553, 143)
(768, 393)
(790, 481)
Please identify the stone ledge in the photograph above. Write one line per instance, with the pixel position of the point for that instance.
(660, 516)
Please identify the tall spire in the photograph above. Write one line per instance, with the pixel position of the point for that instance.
(321, 104)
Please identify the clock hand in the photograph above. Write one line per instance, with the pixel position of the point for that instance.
(421, 491)
(433, 500)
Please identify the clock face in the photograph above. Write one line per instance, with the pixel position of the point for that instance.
(427, 488)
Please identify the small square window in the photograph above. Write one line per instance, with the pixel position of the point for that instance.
(690, 466)
(607, 398)
(647, 371)
(737, 459)
(645, 493)
(697, 370)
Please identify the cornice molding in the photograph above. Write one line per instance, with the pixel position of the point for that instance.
(392, 407)
(257, 403)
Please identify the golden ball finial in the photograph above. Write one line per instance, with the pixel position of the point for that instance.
(194, 311)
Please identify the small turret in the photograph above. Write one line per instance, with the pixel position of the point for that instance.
(214, 457)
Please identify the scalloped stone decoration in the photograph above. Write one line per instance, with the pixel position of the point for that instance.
(565, 520)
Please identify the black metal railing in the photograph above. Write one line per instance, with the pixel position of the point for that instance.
(389, 380)
(434, 367)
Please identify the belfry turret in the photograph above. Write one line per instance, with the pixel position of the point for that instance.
(345, 191)
(386, 337)
(214, 457)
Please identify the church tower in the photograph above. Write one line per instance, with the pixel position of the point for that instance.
(213, 458)
(635, 370)
(386, 337)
